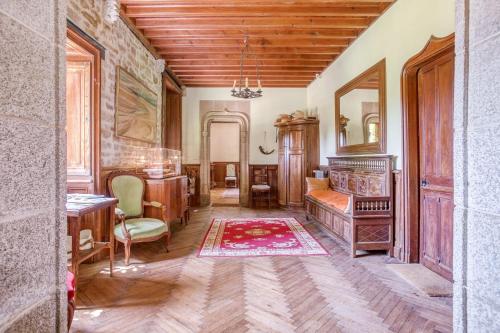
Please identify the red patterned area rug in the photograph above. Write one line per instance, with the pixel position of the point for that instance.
(259, 237)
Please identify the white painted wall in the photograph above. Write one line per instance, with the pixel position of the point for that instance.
(397, 35)
(263, 113)
(224, 142)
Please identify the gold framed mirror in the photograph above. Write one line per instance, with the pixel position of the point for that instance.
(360, 113)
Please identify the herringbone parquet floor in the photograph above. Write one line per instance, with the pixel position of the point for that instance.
(178, 292)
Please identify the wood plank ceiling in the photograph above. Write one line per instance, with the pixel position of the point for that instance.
(292, 40)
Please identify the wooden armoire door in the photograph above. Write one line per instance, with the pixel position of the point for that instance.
(435, 98)
(296, 141)
(282, 166)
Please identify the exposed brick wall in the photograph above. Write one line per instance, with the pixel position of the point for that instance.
(125, 50)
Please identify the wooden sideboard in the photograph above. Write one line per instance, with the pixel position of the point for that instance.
(173, 193)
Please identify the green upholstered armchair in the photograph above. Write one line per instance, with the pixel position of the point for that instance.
(129, 188)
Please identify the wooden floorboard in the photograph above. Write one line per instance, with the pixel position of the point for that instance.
(179, 292)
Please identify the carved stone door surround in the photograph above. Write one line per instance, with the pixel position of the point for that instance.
(222, 112)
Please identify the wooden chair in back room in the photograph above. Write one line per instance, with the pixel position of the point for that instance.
(129, 189)
(231, 180)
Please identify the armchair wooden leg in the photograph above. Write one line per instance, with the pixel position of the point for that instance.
(127, 246)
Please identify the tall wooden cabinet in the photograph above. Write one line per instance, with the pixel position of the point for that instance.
(298, 156)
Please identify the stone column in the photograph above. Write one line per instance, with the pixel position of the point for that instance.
(244, 158)
(477, 167)
(33, 166)
(205, 167)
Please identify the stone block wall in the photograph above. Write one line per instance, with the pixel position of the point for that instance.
(125, 50)
(33, 166)
(477, 167)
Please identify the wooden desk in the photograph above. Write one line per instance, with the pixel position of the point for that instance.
(78, 205)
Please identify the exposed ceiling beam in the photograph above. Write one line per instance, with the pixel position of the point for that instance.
(255, 50)
(248, 74)
(256, 22)
(313, 33)
(282, 57)
(179, 3)
(229, 84)
(291, 40)
(237, 42)
(263, 69)
(270, 64)
(229, 10)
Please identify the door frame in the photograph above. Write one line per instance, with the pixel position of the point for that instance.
(224, 117)
(434, 48)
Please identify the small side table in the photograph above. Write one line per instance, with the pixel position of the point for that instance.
(78, 205)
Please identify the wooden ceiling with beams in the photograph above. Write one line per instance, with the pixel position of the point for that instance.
(292, 40)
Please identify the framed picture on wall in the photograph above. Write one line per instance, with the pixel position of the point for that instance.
(136, 115)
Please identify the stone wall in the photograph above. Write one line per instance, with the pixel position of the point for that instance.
(122, 49)
(477, 167)
(32, 168)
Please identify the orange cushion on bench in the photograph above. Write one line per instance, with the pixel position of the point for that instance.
(332, 198)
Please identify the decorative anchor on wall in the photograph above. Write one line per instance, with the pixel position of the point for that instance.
(262, 150)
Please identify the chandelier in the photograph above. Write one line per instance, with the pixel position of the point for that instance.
(246, 92)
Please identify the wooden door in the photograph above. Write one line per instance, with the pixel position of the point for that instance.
(435, 98)
(296, 136)
(173, 119)
(282, 167)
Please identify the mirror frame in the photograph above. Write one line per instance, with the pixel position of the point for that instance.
(364, 148)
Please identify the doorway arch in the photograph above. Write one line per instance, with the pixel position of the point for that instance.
(224, 116)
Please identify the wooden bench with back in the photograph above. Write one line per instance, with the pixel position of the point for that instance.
(356, 203)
